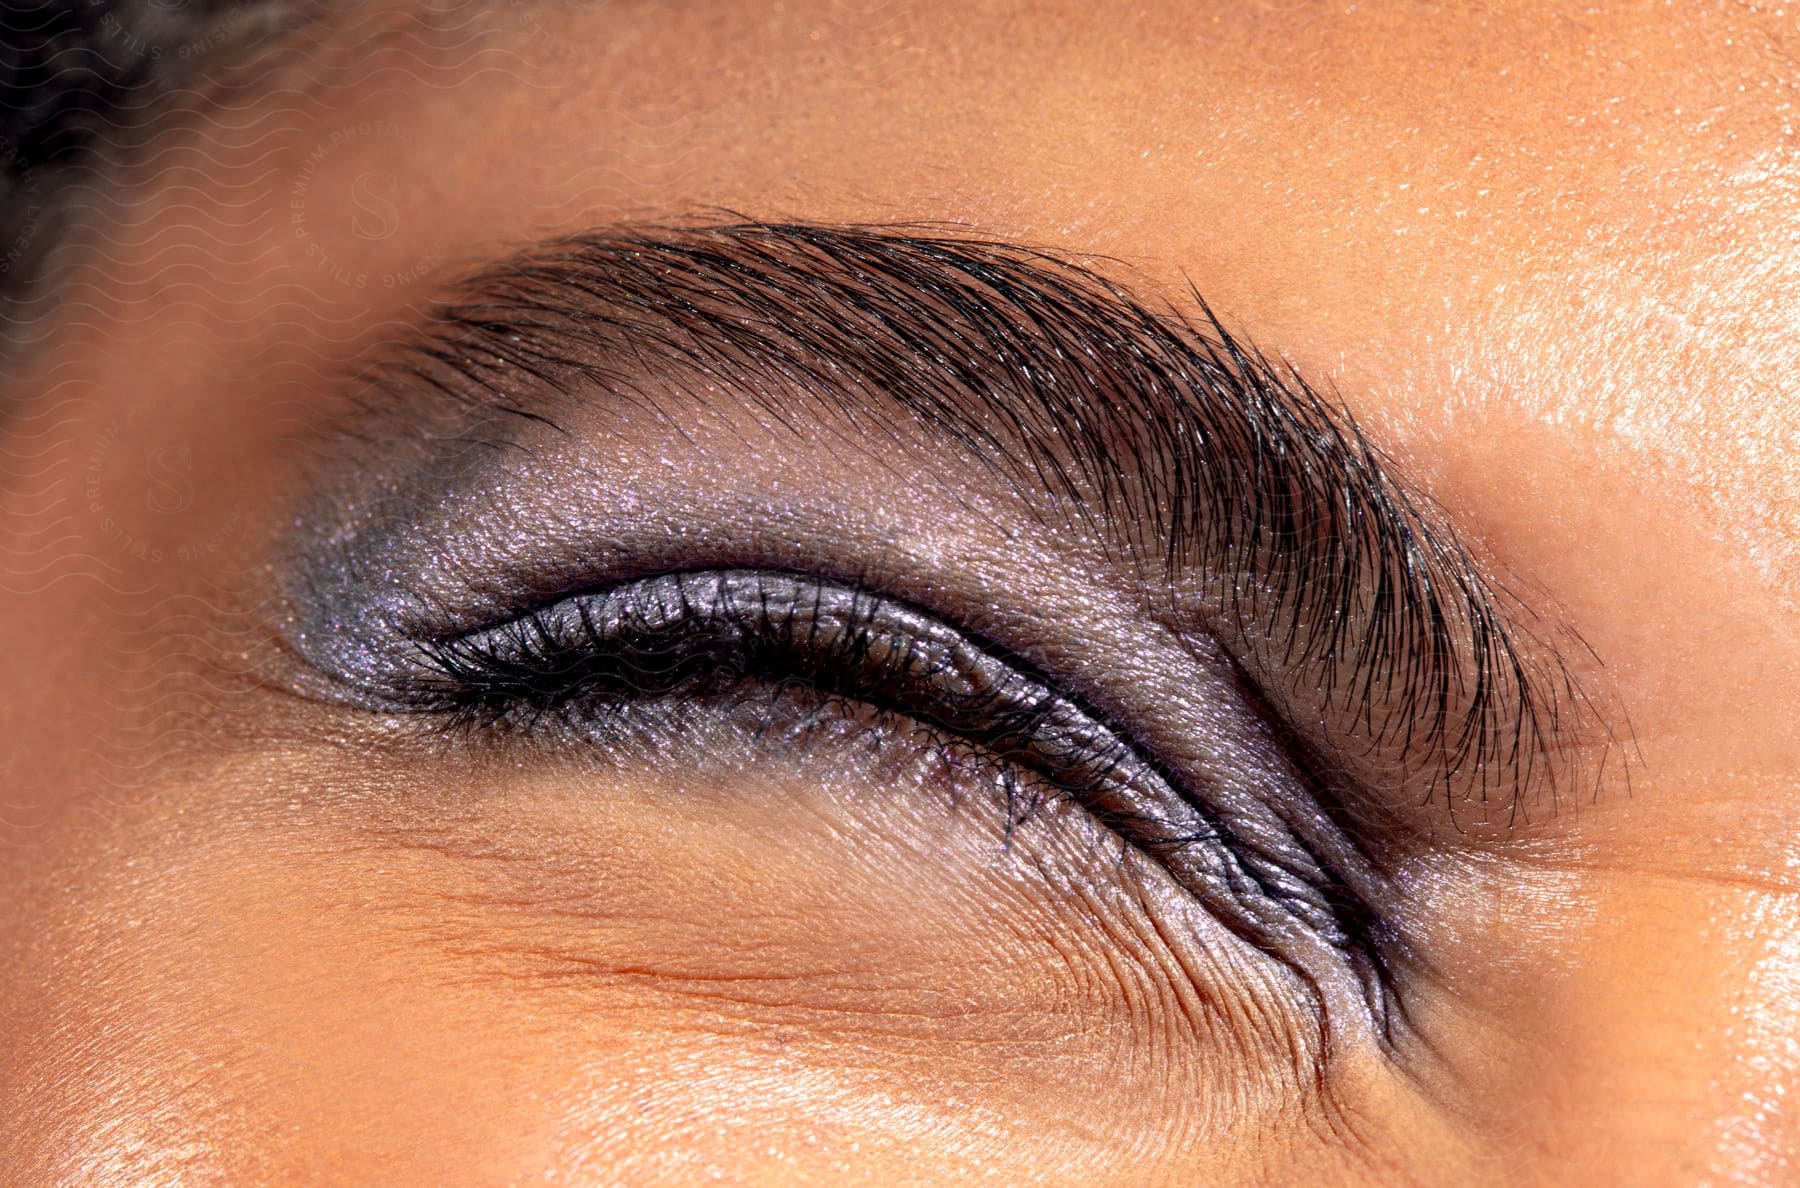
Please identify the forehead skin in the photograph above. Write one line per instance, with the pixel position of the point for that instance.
(1548, 257)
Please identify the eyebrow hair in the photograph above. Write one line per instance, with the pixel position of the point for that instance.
(1339, 580)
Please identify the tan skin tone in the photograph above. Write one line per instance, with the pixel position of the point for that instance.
(1546, 256)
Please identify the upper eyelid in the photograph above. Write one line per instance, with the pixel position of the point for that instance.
(1173, 434)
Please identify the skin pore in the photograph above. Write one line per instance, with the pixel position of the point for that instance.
(1544, 256)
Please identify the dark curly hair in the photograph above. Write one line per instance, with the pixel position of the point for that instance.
(79, 81)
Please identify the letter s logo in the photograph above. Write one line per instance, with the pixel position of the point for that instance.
(373, 194)
(170, 488)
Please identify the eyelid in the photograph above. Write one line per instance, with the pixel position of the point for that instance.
(657, 636)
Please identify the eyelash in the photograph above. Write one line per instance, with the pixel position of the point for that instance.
(726, 638)
(716, 632)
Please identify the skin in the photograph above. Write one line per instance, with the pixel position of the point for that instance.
(1545, 255)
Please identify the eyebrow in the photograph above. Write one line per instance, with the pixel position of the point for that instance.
(1344, 591)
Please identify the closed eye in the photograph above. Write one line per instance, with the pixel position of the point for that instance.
(775, 652)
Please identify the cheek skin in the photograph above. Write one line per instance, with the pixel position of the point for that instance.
(674, 985)
(228, 1010)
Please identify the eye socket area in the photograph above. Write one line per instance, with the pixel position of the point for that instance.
(805, 890)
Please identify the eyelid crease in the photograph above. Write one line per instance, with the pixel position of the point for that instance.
(1344, 592)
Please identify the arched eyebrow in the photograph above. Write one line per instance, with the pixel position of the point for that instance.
(1347, 597)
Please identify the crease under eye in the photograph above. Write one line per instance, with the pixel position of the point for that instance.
(722, 632)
